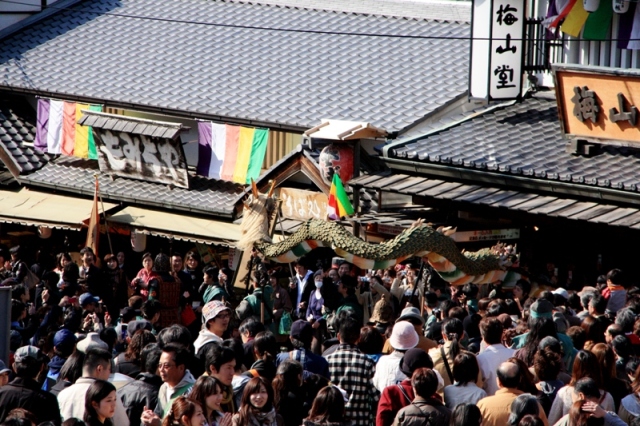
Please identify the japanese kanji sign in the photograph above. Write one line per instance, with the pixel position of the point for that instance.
(497, 49)
(598, 104)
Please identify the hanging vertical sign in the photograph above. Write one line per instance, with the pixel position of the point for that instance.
(497, 49)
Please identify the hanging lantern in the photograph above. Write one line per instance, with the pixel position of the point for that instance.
(591, 5)
(620, 6)
(138, 241)
(44, 232)
(337, 158)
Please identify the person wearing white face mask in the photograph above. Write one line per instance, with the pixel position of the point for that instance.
(314, 313)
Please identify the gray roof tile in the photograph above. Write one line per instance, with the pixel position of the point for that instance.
(208, 196)
(290, 79)
(17, 126)
(524, 139)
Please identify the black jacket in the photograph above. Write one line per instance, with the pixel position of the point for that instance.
(139, 393)
(26, 393)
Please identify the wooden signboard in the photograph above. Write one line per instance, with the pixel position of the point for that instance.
(598, 104)
(302, 205)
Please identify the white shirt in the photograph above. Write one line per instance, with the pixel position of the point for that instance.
(467, 393)
(489, 360)
(388, 371)
(71, 401)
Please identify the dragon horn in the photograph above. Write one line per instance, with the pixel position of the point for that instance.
(273, 187)
(254, 188)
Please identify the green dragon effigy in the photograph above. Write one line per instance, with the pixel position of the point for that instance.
(421, 240)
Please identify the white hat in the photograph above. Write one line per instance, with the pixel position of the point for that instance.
(561, 292)
(90, 342)
(404, 336)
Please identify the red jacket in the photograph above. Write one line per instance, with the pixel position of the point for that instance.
(392, 400)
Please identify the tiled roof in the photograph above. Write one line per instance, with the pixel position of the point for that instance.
(525, 202)
(17, 126)
(207, 196)
(524, 139)
(446, 10)
(301, 68)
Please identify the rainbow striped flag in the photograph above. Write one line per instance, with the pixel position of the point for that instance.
(58, 131)
(339, 205)
(231, 153)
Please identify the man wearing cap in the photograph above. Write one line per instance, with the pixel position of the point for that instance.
(403, 337)
(96, 366)
(542, 310)
(4, 373)
(64, 343)
(413, 316)
(24, 391)
(216, 316)
(494, 353)
(301, 336)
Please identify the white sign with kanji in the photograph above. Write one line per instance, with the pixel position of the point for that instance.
(497, 49)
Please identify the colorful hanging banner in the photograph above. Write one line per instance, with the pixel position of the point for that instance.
(599, 22)
(231, 153)
(58, 131)
(575, 20)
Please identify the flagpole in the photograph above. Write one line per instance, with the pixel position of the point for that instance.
(104, 215)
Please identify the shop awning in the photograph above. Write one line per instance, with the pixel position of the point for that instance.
(33, 208)
(177, 226)
(531, 203)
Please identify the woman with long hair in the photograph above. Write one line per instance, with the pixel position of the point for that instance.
(630, 404)
(527, 381)
(287, 388)
(185, 412)
(256, 407)
(118, 295)
(207, 391)
(539, 328)
(452, 333)
(327, 409)
(465, 374)
(547, 364)
(594, 328)
(585, 365)
(607, 360)
(265, 349)
(128, 362)
(100, 404)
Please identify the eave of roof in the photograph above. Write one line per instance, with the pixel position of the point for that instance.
(206, 196)
(520, 146)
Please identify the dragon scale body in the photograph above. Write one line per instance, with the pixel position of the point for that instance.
(421, 240)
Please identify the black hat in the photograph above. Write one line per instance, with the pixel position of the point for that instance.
(301, 330)
(413, 359)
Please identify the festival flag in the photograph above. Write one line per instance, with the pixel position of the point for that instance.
(93, 233)
(231, 153)
(599, 22)
(339, 204)
(575, 20)
(58, 131)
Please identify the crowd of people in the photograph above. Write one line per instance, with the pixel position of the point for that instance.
(174, 343)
